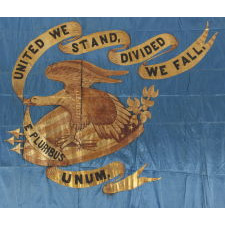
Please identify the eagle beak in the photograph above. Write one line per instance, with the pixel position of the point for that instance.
(116, 72)
(106, 79)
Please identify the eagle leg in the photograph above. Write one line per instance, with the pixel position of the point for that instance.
(64, 141)
(69, 140)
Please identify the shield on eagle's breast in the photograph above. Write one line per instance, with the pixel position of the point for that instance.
(56, 124)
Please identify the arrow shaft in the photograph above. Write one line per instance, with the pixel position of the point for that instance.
(19, 141)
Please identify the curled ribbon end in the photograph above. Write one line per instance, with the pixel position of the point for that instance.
(155, 179)
(207, 25)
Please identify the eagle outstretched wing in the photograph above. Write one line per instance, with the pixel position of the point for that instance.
(108, 116)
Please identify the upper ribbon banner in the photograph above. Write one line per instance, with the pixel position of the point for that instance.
(134, 55)
(181, 63)
(68, 36)
(36, 48)
(152, 48)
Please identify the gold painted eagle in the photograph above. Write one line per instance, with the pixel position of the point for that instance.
(86, 105)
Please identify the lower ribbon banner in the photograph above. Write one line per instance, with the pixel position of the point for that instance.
(90, 178)
(39, 142)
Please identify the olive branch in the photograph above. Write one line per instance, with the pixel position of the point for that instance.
(140, 108)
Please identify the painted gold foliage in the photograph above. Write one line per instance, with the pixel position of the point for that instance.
(140, 108)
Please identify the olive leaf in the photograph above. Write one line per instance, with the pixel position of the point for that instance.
(130, 102)
(155, 94)
(134, 119)
(136, 110)
(144, 107)
(148, 114)
(145, 92)
(142, 101)
(146, 102)
(151, 91)
(137, 102)
(144, 116)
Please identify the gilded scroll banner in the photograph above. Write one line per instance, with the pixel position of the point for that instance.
(90, 178)
(36, 48)
(151, 48)
(146, 51)
(96, 41)
(134, 55)
(39, 142)
(181, 63)
(68, 35)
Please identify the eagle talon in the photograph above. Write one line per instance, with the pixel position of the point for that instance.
(65, 141)
(77, 142)
(61, 140)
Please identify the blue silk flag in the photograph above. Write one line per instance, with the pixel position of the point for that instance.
(183, 139)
